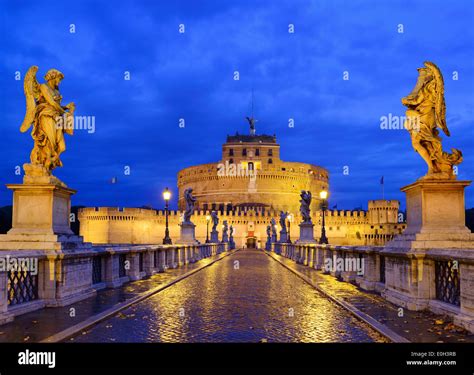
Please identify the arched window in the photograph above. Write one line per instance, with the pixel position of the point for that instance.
(270, 161)
(250, 166)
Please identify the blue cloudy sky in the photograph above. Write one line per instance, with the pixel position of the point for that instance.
(190, 75)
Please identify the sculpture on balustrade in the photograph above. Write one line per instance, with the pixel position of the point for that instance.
(225, 229)
(215, 220)
(268, 244)
(49, 121)
(283, 217)
(425, 114)
(274, 229)
(305, 202)
(190, 202)
(231, 237)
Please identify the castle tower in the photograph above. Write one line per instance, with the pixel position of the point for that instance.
(383, 211)
(251, 174)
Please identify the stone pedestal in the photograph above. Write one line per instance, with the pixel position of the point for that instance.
(306, 233)
(436, 220)
(283, 236)
(214, 236)
(40, 218)
(225, 238)
(435, 216)
(188, 236)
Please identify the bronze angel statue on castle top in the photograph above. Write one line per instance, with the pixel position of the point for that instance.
(425, 114)
(49, 121)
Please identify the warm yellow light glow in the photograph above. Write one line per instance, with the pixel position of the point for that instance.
(323, 194)
(208, 218)
(290, 218)
(167, 194)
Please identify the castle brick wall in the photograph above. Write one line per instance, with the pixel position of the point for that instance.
(144, 226)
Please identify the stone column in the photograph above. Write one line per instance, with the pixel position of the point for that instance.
(371, 275)
(309, 261)
(350, 266)
(148, 263)
(111, 267)
(134, 271)
(5, 317)
(47, 279)
(161, 260)
(466, 318)
(182, 256)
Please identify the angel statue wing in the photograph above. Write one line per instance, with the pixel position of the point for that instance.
(32, 93)
(440, 105)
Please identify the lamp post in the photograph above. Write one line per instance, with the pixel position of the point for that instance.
(208, 220)
(166, 197)
(290, 219)
(323, 195)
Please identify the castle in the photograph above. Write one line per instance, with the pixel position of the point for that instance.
(248, 187)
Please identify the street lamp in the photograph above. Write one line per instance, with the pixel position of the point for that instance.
(290, 220)
(208, 220)
(166, 197)
(323, 194)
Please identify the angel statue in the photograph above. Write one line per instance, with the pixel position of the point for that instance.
(251, 122)
(50, 121)
(225, 228)
(283, 216)
(305, 204)
(190, 201)
(425, 114)
(273, 224)
(215, 220)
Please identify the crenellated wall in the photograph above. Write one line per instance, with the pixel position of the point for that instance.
(145, 226)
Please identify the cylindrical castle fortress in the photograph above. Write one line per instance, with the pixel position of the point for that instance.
(251, 174)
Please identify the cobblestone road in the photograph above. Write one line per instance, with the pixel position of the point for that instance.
(246, 297)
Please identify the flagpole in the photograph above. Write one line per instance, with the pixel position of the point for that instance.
(382, 182)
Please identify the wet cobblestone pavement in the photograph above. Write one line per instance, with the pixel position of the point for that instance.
(258, 301)
(40, 324)
(416, 326)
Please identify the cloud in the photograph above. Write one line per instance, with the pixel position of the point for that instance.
(190, 76)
